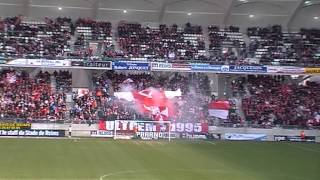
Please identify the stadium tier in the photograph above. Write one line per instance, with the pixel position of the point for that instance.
(257, 100)
(159, 89)
(64, 38)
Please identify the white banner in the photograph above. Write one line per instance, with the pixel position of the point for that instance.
(245, 137)
(48, 63)
(285, 70)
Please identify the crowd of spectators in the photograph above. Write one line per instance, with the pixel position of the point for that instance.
(101, 103)
(63, 80)
(52, 38)
(91, 30)
(266, 100)
(270, 101)
(30, 98)
(164, 42)
(48, 39)
(272, 46)
(226, 45)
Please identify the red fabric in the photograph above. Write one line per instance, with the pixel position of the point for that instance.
(102, 125)
(223, 105)
(154, 102)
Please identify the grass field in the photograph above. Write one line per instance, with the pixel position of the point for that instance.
(105, 159)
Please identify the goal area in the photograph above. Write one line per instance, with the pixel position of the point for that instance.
(144, 130)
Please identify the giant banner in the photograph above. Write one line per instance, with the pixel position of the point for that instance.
(152, 129)
(136, 66)
(145, 126)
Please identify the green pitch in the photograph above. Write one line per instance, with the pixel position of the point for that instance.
(105, 159)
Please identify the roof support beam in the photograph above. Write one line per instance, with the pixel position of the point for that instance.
(226, 16)
(163, 8)
(95, 9)
(164, 5)
(25, 8)
(294, 13)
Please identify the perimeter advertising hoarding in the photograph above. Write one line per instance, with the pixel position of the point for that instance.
(33, 133)
(102, 133)
(135, 66)
(206, 67)
(92, 64)
(247, 69)
(295, 138)
(285, 70)
(15, 126)
(48, 63)
(312, 70)
(157, 66)
(40, 62)
(245, 137)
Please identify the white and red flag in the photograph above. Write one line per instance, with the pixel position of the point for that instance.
(219, 109)
(158, 103)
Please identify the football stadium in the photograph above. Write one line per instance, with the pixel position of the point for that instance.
(159, 89)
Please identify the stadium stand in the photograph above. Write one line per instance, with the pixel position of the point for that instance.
(164, 42)
(272, 46)
(65, 38)
(32, 99)
(226, 46)
(101, 103)
(270, 101)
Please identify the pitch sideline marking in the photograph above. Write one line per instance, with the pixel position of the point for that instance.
(117, 173)
(186, 170)
(135, 171)
(210, 142)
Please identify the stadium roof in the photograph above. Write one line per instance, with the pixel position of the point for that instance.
(288, 13)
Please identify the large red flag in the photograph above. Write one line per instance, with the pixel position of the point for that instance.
(154, 102)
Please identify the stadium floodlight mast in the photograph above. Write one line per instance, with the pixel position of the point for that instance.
(117, 122)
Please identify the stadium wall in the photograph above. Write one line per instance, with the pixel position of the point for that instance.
(270, 133)
(84, 130)
(78, 130)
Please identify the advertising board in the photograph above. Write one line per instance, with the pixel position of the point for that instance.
(245, 137)
(248, 69)
(137, 66)
(312, 70)
(295, 138)
(101, 133)
(15, 126)
(39, 62)
(157, 66)
(285, 70)
(206, 68)
(33, 133)
(92, 64)
(48, 63)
